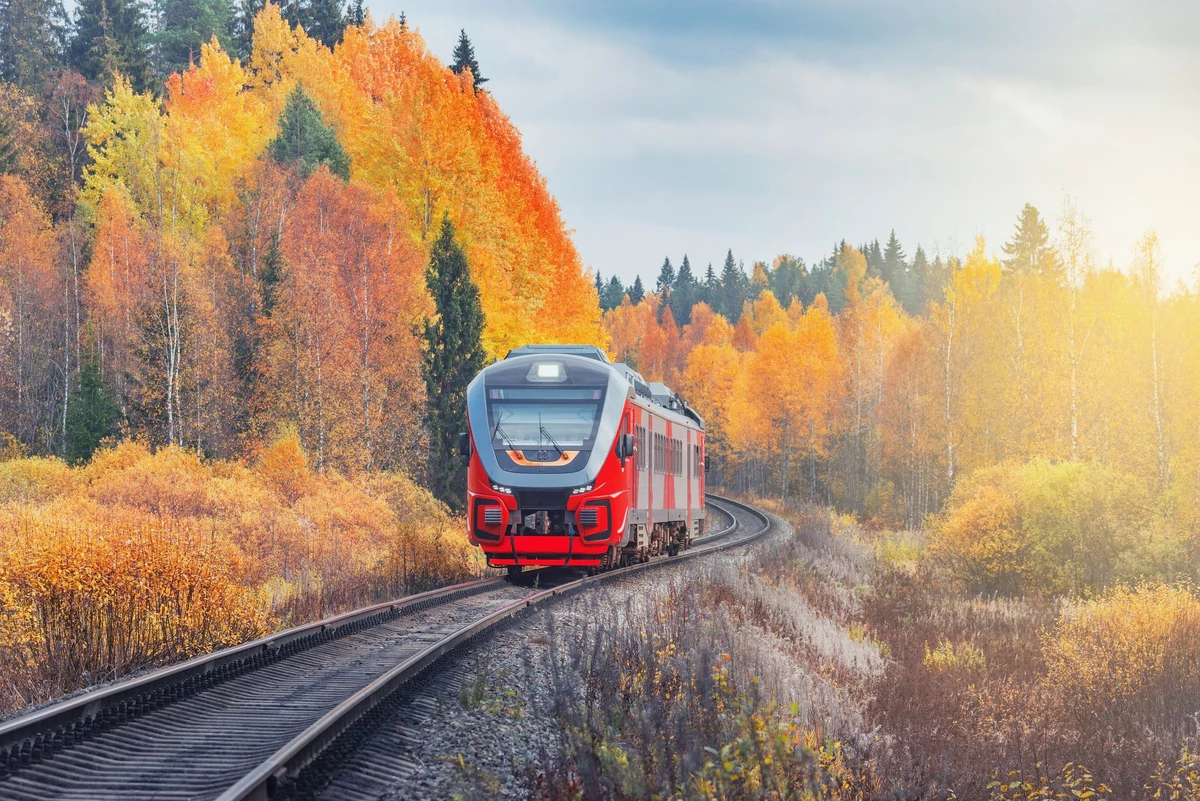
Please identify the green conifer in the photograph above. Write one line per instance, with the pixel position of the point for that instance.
(28, 44)
(110, 39)
(1029, 250)
(453, 356)
(92, 415)
(733, 288)
(637, 292)
(464, 59)
(305, 139)
(185, 25)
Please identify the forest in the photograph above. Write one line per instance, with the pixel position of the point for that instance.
(229, 250)
(235, 242)
(994, 393)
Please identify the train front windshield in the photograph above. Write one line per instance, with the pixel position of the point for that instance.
(559, 419)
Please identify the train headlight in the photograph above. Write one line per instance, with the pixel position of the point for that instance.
(505, 490)
(583, 489)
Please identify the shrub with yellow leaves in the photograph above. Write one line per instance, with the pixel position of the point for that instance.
(140, 558)
(1128, 660)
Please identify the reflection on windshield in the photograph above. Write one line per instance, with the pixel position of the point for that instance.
(538, 425)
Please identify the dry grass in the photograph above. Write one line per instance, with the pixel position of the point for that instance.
(141, 558)
(839, 663)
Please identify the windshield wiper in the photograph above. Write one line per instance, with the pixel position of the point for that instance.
(500, 431)
(561, 452)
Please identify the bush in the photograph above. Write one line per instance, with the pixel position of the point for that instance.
(141, 558)
(1128, 662)
(1067, 528)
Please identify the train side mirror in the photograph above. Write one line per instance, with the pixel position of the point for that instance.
(706, 462)
(464, 445)
(624, 447)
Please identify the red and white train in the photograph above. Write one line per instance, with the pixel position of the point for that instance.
(577, 461)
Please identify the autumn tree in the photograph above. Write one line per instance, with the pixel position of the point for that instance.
(453, 356)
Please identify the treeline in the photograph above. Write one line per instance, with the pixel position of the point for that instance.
(247, 254)
(831, 384)
(913, 283)
(143, 42)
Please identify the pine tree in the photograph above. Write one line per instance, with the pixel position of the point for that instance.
(242, 26)
(110, 39)
(614, 293)
(637, 292)
(185, 25)
(685, 293)
(325, 21)
(920, 283)
(711, 292)
(464, 59)
(666, 277)
(787, 279)
(305, 138)
(874, 256)
(92, 415)
(453, 356)
(8, 145)
(356, 14)
(1029, 250)
(599, 282)
(895, 270)
(28, 45)
(733, 288)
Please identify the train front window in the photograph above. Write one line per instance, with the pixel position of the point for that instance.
(553, 419)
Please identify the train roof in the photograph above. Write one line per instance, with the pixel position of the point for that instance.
(654, 392)
(586, 351)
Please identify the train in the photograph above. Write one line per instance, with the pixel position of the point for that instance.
(575, 461)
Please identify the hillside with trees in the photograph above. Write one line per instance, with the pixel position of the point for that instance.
(250, 256)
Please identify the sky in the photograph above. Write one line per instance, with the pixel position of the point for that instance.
(769, 127)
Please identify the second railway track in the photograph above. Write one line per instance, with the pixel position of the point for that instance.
(270, 719)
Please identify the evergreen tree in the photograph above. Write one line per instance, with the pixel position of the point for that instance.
(711, 292)
(666, 277)
(787, 279)
(895, 270)
(1029, 250)
(685, 293)
(874, 256)
(184, 25)
(637, 292)
(464, 59)
(305, 138)
(110, 39)
(28, 41)
(614, 293)
(453, 356)
(92, 415)
(325, 21)
(356, 14)
(733, 289)
(599, 283)
(8, 145)
(920, 284)
(242, 26)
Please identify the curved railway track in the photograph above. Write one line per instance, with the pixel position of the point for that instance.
(272, 718)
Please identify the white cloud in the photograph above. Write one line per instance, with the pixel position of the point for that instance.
(660, 142)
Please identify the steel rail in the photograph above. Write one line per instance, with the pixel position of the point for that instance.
(29, 738)
(338, 732)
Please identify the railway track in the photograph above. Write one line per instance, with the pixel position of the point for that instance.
(272, 718)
